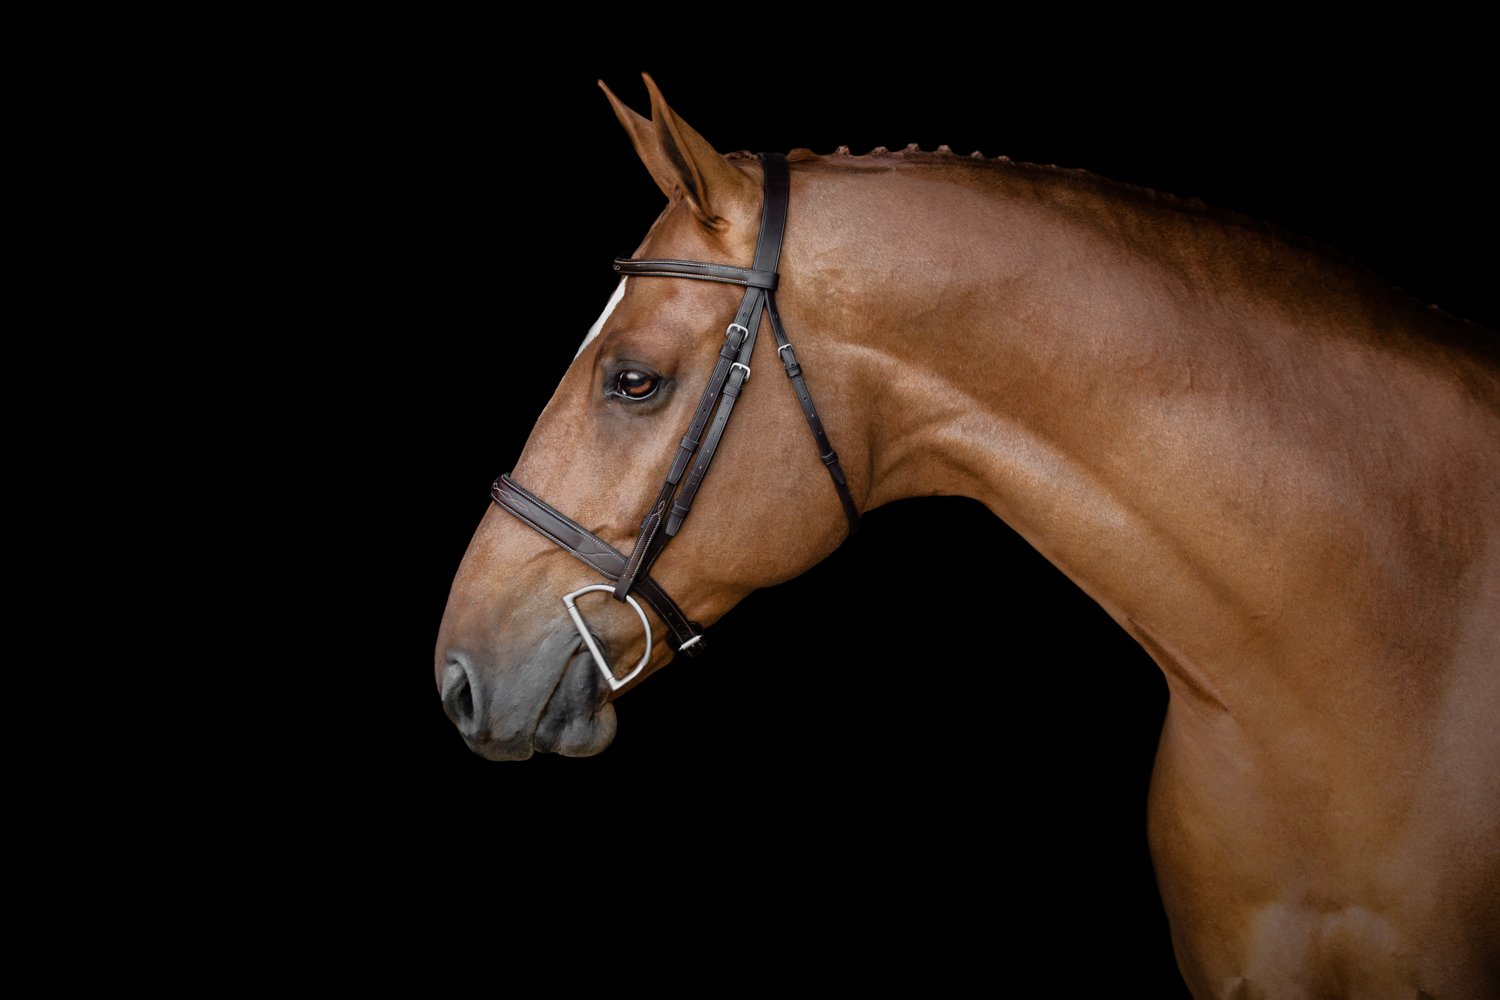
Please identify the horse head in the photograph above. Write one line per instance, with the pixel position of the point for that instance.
(515, 670)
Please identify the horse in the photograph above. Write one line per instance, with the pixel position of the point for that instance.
(1275, 473)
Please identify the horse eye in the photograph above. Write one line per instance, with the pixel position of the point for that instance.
(632, 383)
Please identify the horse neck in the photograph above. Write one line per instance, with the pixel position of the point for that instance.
(1175, 409)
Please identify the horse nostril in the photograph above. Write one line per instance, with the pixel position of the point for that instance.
(458, 694)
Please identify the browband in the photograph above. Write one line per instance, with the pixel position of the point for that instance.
(693, 269)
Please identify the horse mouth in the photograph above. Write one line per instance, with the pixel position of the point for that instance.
(574, 703)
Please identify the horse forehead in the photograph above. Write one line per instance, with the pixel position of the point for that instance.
(609, 309)
(656, 315)
(672, 313)
(677, 234)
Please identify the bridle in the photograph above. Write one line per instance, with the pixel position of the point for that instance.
(695, 453)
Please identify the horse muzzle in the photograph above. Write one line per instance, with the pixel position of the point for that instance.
(555, 702)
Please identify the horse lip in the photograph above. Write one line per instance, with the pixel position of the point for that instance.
(556, 684)
(583, 660)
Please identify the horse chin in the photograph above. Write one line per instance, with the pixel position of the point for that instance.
(590, 736)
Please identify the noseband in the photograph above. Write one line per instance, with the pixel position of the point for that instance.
(695, 453)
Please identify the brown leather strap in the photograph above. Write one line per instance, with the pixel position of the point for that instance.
(594, 551)
(829, 457)
(663, 268)
(649, 542)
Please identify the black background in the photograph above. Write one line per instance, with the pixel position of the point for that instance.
(912, 764)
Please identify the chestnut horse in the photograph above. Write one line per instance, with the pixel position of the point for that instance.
(1281, 477)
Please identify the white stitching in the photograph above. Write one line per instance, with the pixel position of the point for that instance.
(674, 617)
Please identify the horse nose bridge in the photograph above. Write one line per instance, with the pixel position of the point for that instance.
(503, 599)
(511, 574)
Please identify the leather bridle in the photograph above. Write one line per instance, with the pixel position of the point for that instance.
(696, 451)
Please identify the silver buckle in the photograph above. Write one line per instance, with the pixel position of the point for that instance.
(746, 367)
(588, 640)
(736, 326)
(783, 347)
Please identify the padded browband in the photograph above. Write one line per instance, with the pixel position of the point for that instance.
(747, 276)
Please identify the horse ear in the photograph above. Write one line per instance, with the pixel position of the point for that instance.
(682, 162)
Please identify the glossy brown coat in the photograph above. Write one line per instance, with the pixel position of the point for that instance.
(1277, 474)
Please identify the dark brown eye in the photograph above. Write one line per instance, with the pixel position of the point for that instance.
(632, 383)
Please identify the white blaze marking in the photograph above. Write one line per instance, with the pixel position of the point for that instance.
(614, 300)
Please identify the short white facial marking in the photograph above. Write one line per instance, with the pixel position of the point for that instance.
(614, 300)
